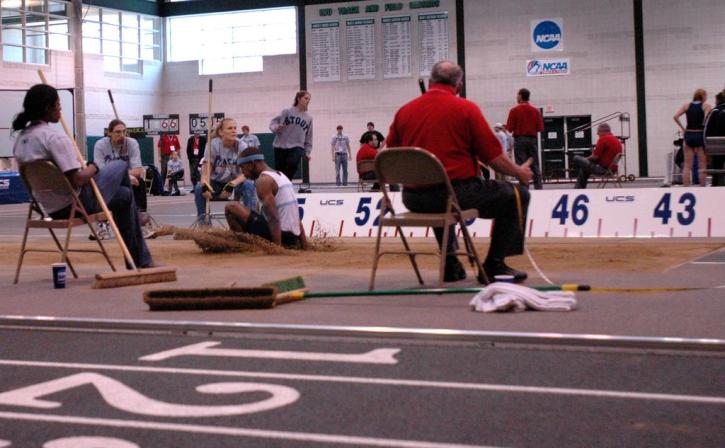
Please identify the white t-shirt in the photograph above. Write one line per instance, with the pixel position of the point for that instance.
(44, 142)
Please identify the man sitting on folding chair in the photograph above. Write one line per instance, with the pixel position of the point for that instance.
(606, 151)
(455, 131)
(38, 140)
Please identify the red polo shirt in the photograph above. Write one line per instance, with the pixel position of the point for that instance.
(608, 146)
(167, 141)
(366, 152)
(450, 127)
(525, 120)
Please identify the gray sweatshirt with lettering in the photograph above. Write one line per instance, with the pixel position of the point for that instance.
(296, 132)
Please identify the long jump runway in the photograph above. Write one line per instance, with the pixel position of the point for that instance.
(72, 388)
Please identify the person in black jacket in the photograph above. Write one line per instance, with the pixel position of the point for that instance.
(194, 153)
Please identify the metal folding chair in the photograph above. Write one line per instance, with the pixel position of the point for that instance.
(612, 173)
(43, 178)
(364, 167)
(416, 166)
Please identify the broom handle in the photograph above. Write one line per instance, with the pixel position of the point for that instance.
(207, 162)
(403, 292)
(96, 191)
(113, 105)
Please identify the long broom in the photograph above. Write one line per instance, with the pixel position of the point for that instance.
(285, 291)
(135, 276)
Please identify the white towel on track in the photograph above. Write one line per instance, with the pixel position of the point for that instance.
(500, 296)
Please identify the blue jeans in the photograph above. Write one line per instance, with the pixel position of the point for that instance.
(113, 183)
(341, 162)
(245, 190)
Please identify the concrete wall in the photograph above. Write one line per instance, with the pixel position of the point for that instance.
(352, 103)
(598, 40)
(684, 50)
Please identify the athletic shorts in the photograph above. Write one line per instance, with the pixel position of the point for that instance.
(693, 139)
(258, 225)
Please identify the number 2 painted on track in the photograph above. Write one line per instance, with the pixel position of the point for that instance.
(122, 397)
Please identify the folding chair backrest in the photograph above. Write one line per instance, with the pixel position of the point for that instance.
(46, 183)
(410, 165)
(614, 166)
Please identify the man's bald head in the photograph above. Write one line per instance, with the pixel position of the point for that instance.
(446, 72)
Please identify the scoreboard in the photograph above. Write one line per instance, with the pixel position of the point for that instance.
(161, 124)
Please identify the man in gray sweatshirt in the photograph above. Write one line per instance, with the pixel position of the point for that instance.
(292, 130)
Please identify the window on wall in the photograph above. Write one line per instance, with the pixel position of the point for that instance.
(30, 28)
(123, 38)
(233, 42)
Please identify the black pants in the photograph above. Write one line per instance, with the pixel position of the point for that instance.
(287, 160)
(492, 198)
(139, 195)
(525, 148)
(194, 170)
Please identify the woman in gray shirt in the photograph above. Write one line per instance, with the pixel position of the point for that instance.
(292, 135)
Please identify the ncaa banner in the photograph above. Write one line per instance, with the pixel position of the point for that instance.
(547, 35)
(547, 67)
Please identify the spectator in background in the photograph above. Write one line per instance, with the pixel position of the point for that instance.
(175, 171)
(341, 153)
(525, 122)
(194, 153)
(292, 130)
(368, 151)
(371, 130)
(695, 112)
(251, 140)
(608, 147)
(117, 146)
(167, 144)
(716, 127)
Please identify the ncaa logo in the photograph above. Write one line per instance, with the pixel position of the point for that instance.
(547, 35)
(533, 67)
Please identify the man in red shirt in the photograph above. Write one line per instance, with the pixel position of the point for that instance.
(525, 123)
(455, 131)
(608, 146)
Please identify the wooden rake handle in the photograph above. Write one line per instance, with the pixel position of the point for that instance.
(96, 191)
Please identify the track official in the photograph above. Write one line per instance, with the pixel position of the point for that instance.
(455, 131)
(525, 122)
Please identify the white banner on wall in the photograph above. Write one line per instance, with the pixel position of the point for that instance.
(433, 39)
(547, 34)
(360, 49)
(622, 213)
(325, 51)
(547, 67)
(397, 47)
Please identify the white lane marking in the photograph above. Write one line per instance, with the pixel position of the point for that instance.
(122, 397)
(376, 356)
(232, 431)
(89, 442)
(708, 262)
(380, 381)
(4, 443)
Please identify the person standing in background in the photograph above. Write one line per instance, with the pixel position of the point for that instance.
(194, 153)
(341, 153)
(525, 123)
(292, 130)
(167, 144)
(695, 112)
(365, 138)
(250, 139)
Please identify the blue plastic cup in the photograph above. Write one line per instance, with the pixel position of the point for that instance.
(59, 270)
